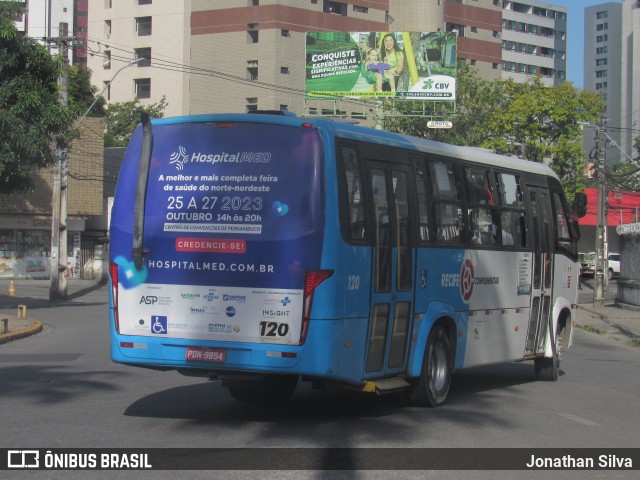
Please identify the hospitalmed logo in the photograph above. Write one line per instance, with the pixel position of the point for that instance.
(179, 158)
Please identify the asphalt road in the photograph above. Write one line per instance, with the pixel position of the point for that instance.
(59, 389)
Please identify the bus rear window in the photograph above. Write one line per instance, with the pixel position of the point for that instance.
(247, 180)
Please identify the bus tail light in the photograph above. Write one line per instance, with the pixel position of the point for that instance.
(113, 271)
(311, 281)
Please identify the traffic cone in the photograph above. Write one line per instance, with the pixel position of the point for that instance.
(12, 289)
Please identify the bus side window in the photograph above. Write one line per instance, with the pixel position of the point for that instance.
(512, 212)
(564, 240)
(483, 219)
(449, 216)
(357, 227)
(423, 201)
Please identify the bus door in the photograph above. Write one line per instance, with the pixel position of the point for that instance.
(392, 269)
(542, 266)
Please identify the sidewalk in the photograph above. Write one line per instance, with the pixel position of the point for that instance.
(26, 295)
(615, 323)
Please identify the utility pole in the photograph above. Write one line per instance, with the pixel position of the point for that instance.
(598, 291)
(58, 277)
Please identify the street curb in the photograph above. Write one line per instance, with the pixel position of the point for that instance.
(10, 337)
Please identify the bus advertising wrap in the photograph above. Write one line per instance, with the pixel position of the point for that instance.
(411, 65)
(230, 227)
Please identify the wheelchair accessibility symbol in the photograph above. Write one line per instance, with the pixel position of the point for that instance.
(159, 324)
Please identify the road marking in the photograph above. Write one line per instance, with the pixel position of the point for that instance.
(574, 418)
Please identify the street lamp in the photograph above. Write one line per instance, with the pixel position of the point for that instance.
(58, 280)
(107, 85)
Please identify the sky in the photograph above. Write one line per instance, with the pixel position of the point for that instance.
(575, 35)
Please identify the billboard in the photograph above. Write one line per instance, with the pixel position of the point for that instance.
(410, 65)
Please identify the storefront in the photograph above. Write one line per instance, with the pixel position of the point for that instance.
(25, 246)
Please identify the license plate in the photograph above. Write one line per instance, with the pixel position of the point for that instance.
(204, 354)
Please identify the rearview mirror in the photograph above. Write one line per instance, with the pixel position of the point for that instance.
(580, 204)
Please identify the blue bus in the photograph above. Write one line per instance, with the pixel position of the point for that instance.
(264, 250)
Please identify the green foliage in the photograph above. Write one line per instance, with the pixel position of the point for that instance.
(624, 176)
(32, 120)
(82, 94)
(122, 118)
(543, 123)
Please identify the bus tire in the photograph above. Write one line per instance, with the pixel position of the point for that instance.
(548, 369)
(432, 387)
(269, 389)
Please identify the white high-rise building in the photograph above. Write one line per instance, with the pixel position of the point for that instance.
(534, 41)
(612, 68)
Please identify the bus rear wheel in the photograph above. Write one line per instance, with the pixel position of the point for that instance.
(432, 387)
(266, 389)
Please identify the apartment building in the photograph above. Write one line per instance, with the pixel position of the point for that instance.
(241, 55)
(612, 68)
(534, 41)
(478, 24)
(45, 20)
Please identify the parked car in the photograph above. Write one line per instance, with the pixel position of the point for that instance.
(614, 265)
(588, 264)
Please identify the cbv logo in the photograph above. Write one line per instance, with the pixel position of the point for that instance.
(148, 300)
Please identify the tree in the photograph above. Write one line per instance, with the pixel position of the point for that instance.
(32, 120)
(82, 94)
(122, 118)
(544, 125)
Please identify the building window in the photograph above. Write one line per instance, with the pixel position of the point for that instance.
(107, 3)
(601, 74)
(601, 61)
(494, 66)
(251, 108)
(533, 29)
(254, 3)
(284, 108)
(252, 70)
(359, 9)
(106, 63)
(473, 62)
(145, 55)
(532, 69)
(522, 47)
(284, 70)
(602, 26)
(474, 29)
(106, 86)
(335, 8)
(145, 2)
(143, 87)
(285, 33)
(601, 15)
(454, 27)
(143, 26)
(252, 34)
(107, 28)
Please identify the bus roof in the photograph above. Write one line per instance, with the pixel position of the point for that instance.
(349, 131)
